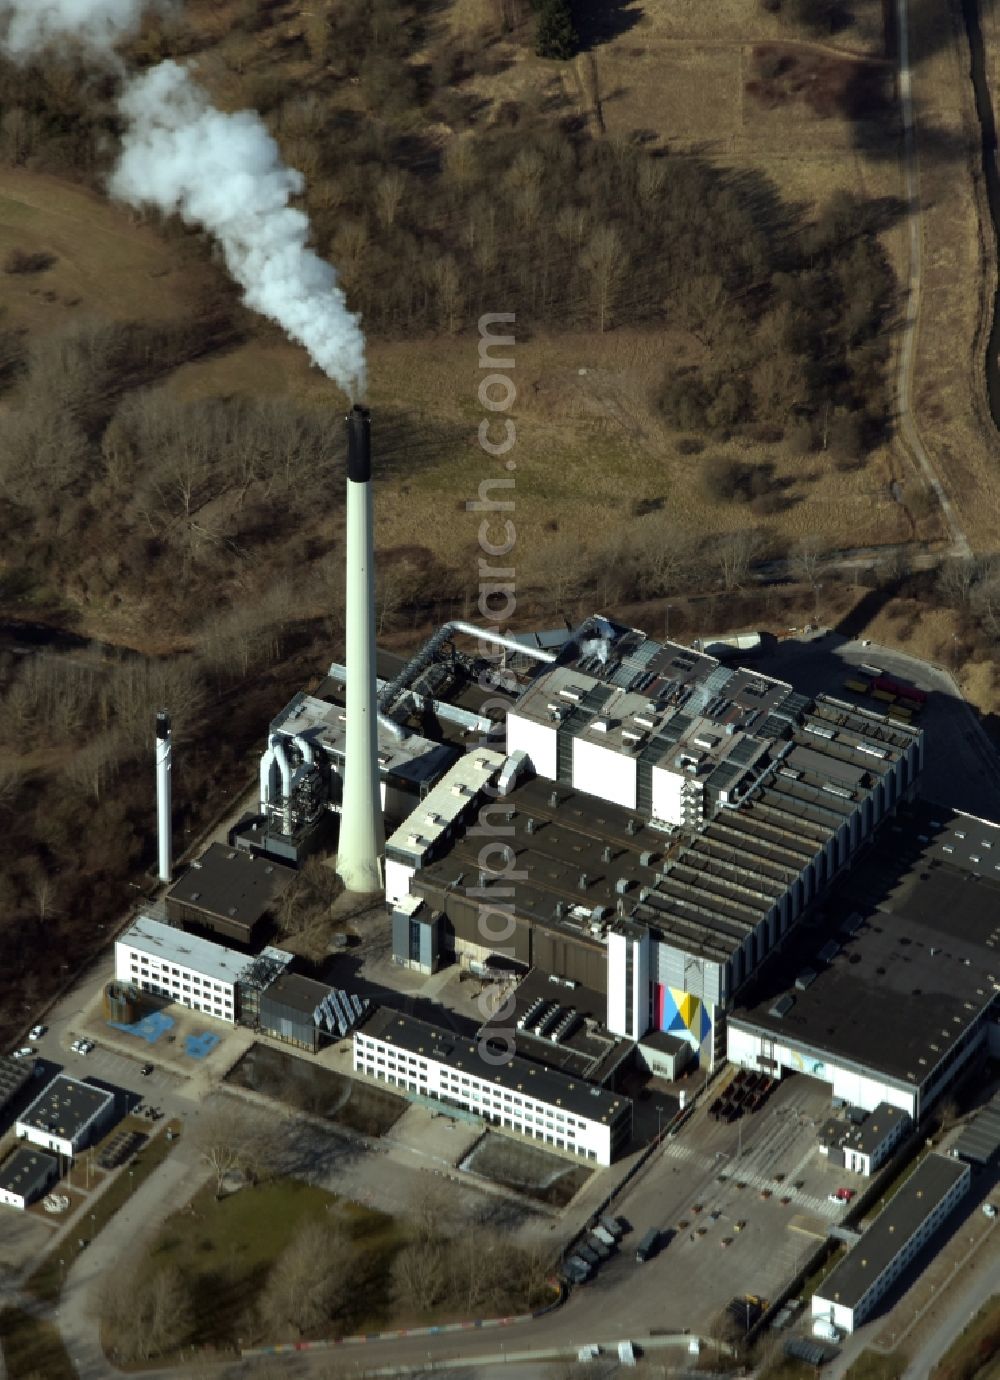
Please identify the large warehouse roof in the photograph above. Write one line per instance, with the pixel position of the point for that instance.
(906, 984)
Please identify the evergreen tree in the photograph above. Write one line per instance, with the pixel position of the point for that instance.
(555, 36)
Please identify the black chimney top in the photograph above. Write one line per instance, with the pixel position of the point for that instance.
(359, 444)
(163, 724)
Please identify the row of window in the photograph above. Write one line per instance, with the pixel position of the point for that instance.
(468, 1088)
(509, 1108)
(140, 963)
(915, 1244)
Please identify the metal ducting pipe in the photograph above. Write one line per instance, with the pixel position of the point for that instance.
(425, 656)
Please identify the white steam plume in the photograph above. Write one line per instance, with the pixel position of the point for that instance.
(224, 172)
(29, 25)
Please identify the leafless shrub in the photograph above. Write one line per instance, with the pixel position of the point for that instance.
(28, 261)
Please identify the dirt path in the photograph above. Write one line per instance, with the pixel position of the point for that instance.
(907, 420)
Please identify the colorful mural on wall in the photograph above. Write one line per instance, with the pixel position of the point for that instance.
(681, 1014)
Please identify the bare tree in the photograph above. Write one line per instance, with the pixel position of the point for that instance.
(605, 261)
(420, 1276)
(806, 561)
(147, 1313)
(310, 1282)
(389, 192)
(733, 555)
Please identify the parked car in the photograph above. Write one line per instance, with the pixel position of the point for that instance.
(86, 1046)
(25, 1052)
(647, 1246)
(37, 1031)
(989, 1210)
(842, 1195)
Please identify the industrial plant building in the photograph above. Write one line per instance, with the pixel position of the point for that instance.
(512, 1094)
(853, 1288)
(898, 993)
(67, 1116)
(229, 893)
(25, 1176)
(667, 821)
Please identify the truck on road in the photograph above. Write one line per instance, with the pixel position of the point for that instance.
(647, 1246)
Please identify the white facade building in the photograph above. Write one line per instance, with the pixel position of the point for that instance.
(512, 1094)
(25, 1175)
(182, 967)
(628, 980)
(910, 1219)
(67, 1117)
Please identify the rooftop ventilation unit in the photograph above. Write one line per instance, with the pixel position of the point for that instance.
(606, 853)
(583, 881)
(631, 826)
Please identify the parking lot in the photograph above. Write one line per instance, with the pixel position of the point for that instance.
(708, 1179)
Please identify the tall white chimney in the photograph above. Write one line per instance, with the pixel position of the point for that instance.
(164, 754)
(362, 835)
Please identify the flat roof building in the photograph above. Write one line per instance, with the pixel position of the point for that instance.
(14, 1074)
(509, 1092)
(862, 1146)
(67, 1116)
(899, 990)
(289, 1010)
(25, 1175)
(851, 1291)
(229, 892)
(187, 969)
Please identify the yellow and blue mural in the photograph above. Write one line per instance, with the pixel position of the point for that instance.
(681, 1014)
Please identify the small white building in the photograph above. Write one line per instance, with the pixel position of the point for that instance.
(182, 967)
(67, 1117)
(25, 1175)
(863, 1145)
(511, 1093)
(911, 1217)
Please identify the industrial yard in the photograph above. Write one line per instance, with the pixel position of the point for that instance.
(501, 824)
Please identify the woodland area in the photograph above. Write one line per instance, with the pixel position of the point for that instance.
(216, 522)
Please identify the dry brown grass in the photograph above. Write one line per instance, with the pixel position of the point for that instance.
(589, 445)
(959, 275)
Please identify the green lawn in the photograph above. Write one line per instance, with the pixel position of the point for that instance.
(32, 1348)
(224, 1249)
(47, 1279)
(976, 1351)
(871, 1365)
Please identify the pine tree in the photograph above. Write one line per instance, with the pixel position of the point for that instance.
(555, 36)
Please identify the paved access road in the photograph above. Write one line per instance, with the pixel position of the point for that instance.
(961, 767)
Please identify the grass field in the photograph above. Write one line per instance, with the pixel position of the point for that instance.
(975, 1355)
(225, 1247)
(871, 1365)
(32, 1348)
(46, 1281)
